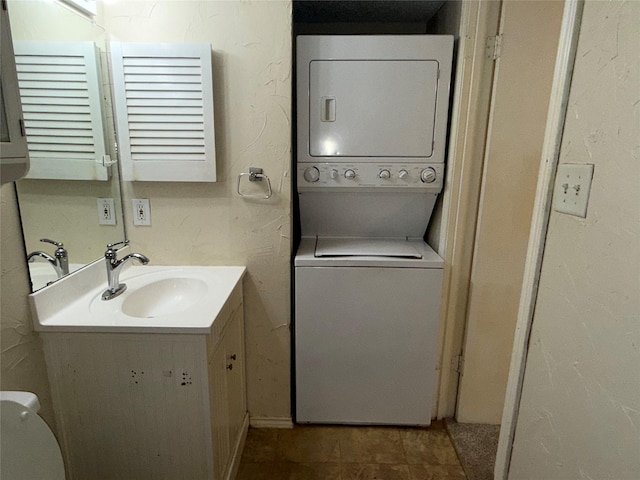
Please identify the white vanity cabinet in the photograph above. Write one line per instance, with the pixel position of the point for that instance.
(151, 406)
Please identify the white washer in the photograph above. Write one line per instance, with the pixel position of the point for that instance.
(371, 134)
(366, 329)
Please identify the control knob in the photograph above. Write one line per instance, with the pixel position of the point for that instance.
(384, 174)
(350, 174)
(403, 173)
(311, 174)
(428, 175)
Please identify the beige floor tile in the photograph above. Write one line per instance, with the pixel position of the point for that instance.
(436, 472)
(261, 445)
(316, 471)
(371, 445)
(358, 471)
(432, 447)
(289, 471)
(309, 445)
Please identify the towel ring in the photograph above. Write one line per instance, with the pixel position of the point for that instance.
(255, 175)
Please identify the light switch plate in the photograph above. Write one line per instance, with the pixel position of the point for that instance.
(572, 188)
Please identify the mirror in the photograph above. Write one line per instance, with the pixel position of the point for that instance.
(66, 210)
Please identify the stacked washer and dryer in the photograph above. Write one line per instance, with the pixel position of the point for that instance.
(371, 134)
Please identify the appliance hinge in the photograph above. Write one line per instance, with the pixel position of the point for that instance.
(4, 5)
(494, 47)
(457, 363)
(23, 131)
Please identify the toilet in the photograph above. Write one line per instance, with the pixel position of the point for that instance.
(29, 449)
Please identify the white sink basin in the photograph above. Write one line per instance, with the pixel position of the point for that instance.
(164, 297)
(157, 299)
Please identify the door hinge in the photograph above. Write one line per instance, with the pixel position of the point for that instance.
(457, 364)
(494, 47)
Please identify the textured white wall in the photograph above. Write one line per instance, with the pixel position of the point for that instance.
(209, 224)
(580, 410)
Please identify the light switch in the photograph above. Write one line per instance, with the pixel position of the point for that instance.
(572, 187)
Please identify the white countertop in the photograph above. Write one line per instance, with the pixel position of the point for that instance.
(74, 305)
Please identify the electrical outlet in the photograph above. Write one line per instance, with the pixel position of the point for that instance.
(106, 211)
(572, 187)
(141, 211)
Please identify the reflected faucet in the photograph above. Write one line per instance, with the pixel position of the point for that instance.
(114, 266)
(61, 261)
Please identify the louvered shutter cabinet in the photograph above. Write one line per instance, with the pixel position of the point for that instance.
(163, 97)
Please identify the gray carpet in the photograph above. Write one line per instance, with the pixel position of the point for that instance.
(476, 445)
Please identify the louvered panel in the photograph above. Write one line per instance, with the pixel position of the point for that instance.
(164, 111)
(160, 134)
(35, 100)
(81, 118)
(48, 108)
(164, 102)
(159, 141)
(60, 87)
(68, 141)
(46, 68)
(61, 133)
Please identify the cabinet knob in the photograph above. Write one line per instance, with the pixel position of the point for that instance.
(232, 356)
(230, 366)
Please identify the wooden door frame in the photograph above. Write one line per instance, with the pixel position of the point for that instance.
(469, 123)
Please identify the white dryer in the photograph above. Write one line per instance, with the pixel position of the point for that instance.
(371, 123)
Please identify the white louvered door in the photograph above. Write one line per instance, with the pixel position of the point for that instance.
(60, 88)
(163, 97)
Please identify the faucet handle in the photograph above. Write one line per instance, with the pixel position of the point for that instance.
(111, 252)
(53, 242)
(111, 245)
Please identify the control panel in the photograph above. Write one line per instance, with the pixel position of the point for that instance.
(427, 177)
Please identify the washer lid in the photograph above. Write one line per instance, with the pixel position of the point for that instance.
(365, 247)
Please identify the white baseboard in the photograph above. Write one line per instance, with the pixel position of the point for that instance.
(271, 422)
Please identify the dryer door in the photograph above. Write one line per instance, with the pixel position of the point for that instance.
(372, 108)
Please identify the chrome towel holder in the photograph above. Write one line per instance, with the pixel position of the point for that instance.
(255, 175)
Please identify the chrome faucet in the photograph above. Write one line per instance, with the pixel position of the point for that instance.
(61, 261)
(114, 266)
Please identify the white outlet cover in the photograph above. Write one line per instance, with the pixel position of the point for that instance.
(106, 211)
(572, 188)
(141, 210)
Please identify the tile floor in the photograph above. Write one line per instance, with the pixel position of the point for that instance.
(350, 453)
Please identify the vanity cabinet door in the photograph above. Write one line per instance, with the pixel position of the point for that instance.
(228, 393)
(236, 395)
(219, 410)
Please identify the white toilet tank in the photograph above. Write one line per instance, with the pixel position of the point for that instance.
(29, 449)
